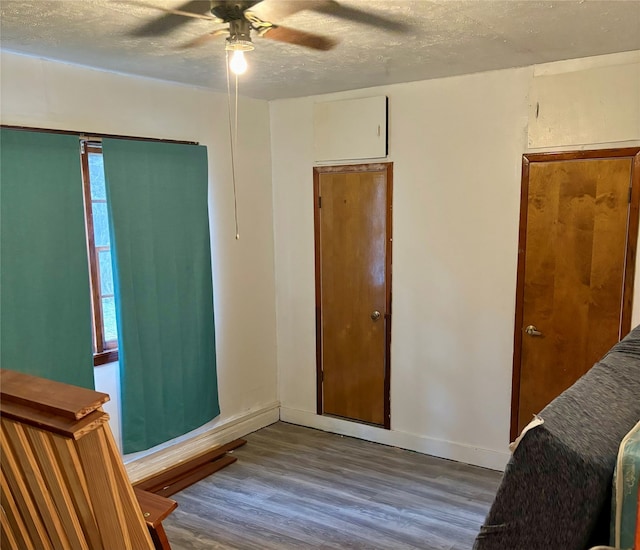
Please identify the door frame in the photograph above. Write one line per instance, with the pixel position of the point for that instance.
(630, 256)
(387, 167)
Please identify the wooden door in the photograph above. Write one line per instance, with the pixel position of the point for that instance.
(578, 233)
(353, 296)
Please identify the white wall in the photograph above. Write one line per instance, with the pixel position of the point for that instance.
(457, 145)
(47, 94)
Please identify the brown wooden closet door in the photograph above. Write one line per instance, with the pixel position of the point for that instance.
(574, 273)
(352, 255)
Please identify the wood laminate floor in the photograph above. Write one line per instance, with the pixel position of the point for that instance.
(299, 488)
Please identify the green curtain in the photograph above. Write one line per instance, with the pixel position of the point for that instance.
(157, 195)
(45, 308)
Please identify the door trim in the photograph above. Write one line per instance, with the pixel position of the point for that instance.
(387, 167)
(630, 256)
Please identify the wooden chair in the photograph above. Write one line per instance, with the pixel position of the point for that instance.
(63, 483)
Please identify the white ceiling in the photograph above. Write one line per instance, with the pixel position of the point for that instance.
(444, 38)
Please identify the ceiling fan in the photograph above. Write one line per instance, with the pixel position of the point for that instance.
(242, 21)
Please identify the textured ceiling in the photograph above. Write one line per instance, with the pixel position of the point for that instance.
(443, 38)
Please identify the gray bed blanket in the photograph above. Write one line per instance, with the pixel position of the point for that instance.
(555, 493)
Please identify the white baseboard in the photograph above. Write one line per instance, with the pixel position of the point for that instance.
(487, 458)
(143, 465)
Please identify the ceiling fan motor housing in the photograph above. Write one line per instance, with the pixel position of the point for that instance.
(228, 11)
(239, 36)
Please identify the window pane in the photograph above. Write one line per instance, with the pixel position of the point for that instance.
(106, 276)
(109, 318)
(96, 177)
(100, 224)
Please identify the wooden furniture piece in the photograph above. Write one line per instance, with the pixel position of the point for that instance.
(186, 473)
(63, 484)
(154, 509)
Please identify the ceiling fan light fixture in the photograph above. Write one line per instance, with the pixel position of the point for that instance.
(237, 63)
(237, 45)
(239, 36)
(239, 41)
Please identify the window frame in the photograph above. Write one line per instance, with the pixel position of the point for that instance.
(105, 351)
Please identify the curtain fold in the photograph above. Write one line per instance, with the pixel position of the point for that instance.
(45, 307)
(157, 196)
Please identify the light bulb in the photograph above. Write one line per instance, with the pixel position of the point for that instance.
(238, 64)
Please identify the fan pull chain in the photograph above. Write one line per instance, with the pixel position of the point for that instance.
(233, 142)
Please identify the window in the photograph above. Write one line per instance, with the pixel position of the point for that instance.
(105, 334)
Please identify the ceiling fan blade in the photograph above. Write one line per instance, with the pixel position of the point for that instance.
(331, 7)
(173, 18)
(300, 38)
(201, 40)
(276, 10)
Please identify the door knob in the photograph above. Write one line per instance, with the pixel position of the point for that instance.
(531, 330)
(375, 315)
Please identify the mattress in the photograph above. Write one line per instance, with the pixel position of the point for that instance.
(624, 510)
(556, 490)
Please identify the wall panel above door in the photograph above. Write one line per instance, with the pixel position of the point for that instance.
(351, 129)
(597, 105)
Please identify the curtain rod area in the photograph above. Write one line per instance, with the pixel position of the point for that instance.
(95, 135)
